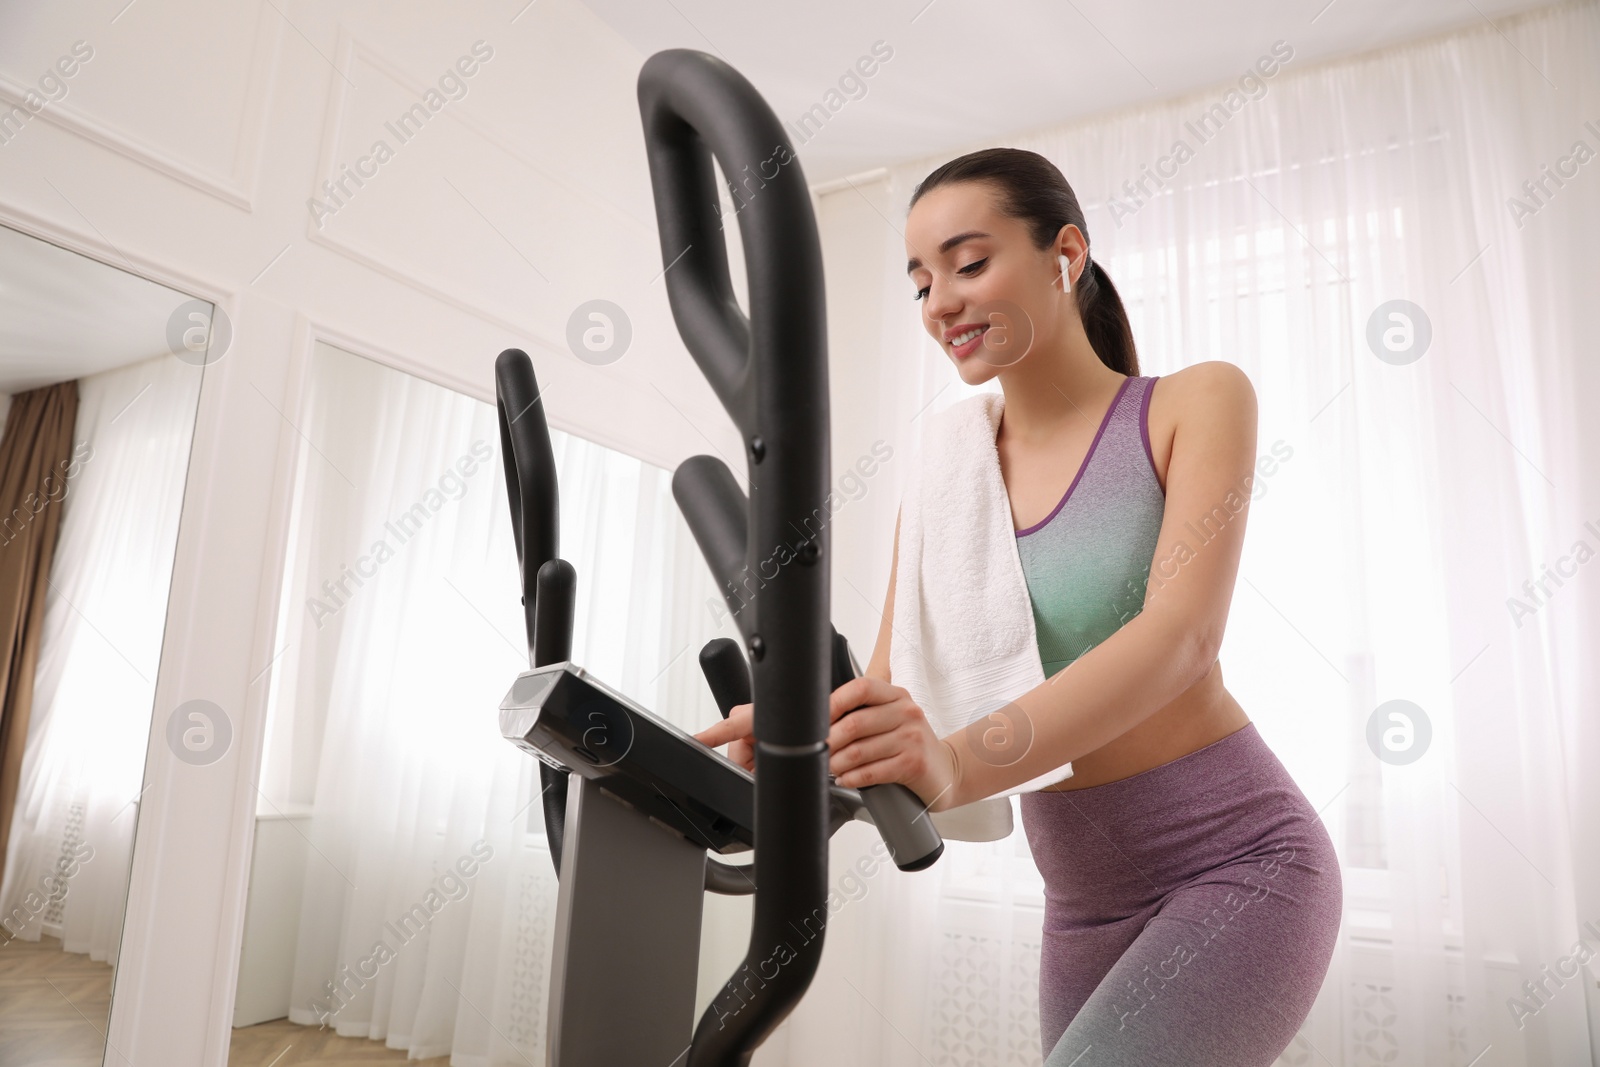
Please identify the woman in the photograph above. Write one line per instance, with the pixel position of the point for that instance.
(1192, 895)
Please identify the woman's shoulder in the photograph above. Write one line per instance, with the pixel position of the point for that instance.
(1214, 379)
(1212, 393)
(1203, 391)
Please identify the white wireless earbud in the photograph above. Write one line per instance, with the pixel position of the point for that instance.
(1066, 277)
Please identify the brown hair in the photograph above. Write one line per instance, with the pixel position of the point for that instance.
(1033, 189)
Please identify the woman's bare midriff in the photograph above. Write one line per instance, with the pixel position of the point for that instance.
(1202, 714)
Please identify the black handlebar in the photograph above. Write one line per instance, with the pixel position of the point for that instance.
(715, 508)
(549, 584)
(723, 665)
(530, 467)
(771, 373)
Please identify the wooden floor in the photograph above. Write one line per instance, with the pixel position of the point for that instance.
(282, 1043)
(54, 1004)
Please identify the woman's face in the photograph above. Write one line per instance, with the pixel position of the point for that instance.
(987, 295)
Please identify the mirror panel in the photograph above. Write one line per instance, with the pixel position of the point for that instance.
(100, 374)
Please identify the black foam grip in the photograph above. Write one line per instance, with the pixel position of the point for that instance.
(726, 673)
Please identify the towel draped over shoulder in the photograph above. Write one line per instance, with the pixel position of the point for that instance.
(964, 643)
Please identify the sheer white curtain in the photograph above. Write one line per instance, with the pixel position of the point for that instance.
(427, 909)
(1409, 503)
(104, 616)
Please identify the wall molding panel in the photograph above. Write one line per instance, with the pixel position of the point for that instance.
(236, 188)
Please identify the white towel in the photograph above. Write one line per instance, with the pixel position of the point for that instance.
(961, 601)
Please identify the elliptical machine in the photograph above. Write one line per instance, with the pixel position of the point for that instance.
(632, 804)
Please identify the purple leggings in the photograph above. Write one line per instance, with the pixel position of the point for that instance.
(1190, 911)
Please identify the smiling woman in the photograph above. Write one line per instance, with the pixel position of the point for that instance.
(1000, 259)
(1173, 814)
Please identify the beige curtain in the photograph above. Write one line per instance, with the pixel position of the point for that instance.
(35, 453)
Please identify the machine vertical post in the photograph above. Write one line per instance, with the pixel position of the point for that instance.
(627, 943)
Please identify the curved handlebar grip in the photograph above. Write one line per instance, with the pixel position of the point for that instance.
(902, 820)
(555, 605)
(530, 467)
(690, 101)
(771, 374)
(715, 509)
(726, 673)
(548, 583)
(899, 814)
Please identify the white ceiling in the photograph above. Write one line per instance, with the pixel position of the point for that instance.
(63, 315)
(965, 74)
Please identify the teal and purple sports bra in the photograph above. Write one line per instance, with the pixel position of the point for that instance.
(1087, 562)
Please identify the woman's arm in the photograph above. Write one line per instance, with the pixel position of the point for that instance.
(878, 666)
(1173, 641)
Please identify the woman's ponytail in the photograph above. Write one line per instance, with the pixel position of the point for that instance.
(1105, 321)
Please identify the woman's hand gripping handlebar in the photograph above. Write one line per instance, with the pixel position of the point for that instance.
(880, 743)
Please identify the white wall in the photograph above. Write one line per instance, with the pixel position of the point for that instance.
(184, 149)
(852, 221)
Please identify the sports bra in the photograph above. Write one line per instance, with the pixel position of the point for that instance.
(1087, 562)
